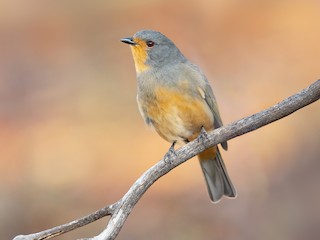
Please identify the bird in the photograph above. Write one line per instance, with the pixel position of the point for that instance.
(175, 98)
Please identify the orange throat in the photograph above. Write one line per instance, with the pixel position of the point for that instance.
(139, 52)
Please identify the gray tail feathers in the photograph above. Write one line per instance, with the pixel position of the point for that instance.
(216, 176)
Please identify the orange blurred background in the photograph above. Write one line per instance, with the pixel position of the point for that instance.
(72, 139)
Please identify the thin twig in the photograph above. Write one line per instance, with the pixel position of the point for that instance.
(120, 210)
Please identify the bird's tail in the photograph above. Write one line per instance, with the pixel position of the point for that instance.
(215, 173)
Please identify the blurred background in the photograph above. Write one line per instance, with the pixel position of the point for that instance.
(72, 139)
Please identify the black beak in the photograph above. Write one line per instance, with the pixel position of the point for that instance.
(128, 40)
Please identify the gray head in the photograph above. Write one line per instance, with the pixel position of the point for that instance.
(152, 49)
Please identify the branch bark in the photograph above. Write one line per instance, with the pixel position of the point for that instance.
(120, 210)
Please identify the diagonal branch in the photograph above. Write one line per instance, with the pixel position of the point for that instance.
(120, 210)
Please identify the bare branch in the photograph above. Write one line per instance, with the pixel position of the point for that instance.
(56, 231)
(120, 210)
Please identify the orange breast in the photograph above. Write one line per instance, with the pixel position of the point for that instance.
(178, 116)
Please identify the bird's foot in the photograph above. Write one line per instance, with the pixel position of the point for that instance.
(203, 136)
(171, 154)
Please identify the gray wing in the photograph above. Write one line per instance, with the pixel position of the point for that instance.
(208, 96)
(211, 101)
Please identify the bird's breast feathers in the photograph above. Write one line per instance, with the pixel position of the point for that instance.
(176, 113)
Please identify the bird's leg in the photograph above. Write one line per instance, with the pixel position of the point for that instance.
(203, 136)
(171, 154)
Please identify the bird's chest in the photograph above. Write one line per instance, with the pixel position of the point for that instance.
(174, 113)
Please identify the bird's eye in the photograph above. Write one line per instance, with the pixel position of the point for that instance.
(150, 44)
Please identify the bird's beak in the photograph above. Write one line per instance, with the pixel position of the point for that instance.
(128, 40)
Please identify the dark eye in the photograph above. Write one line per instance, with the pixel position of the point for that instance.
(150, 43)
